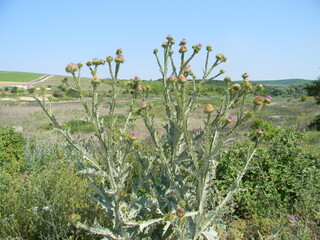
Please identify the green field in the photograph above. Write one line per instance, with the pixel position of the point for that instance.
(18, 76)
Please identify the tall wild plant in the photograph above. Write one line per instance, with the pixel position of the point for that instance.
(173, 196)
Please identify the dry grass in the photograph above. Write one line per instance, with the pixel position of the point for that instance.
(11, 83)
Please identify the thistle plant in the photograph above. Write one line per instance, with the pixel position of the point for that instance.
(175, 196)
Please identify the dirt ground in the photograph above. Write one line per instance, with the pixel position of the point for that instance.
(28, 117)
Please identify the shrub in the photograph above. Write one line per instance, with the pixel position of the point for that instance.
(11, 150)
(281, 180)
(315, 124)
(37, 203)
(313, 89)
(303, 98)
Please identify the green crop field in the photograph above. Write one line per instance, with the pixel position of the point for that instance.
(18, 76)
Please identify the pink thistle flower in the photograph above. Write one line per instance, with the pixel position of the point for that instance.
(95, 60)
(71, 68)
(268, 97)
(292, 219)
(183, 42)
(182, 79)
(133, 136)
(183, 49)
(171, 79)
(119, 58)
(231, 117)
(143, 104)
(136, 79)
(164, 44)
(181, 212)
(60, 123)
(258, 100)
(30, 85)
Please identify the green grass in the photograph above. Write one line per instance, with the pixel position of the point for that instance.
(18, 76)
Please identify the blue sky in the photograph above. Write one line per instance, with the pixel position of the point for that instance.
(269, 39)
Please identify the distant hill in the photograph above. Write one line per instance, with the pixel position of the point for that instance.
(282, 81)
(6, 76)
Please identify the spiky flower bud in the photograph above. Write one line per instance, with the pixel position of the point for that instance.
(292, 219)
(222, 71)
(102, 61)
(230, 118)
(245, 75)
(95, 61)
(267, 100)
(133, 136)
(208, 108)
(209, 48)
(136, 79)
(109, 59)
(180, 212)
(119, 51)
(169, 217)
(182, 79)
(80, 65)
(258, 100)
(197, 48)
(249, 114)
(183, 49)
(187, 69)
(236, 87)
(182, 203)
(143, 105)
(169, 37)
(155, 51)
(71, 68)
(259, 131)
(164, 44)
(221, 57)
(88, 63)
(95, 81)
(259, 87)
(231, 90)
(31, 87)
(247, 85)
(171, 52)
(119, 58)
(227, 79)
(171, 79)
(183, 42)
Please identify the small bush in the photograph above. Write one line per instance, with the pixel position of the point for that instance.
(37, 203)
(315, 124)
(282, 179)
(303, 98)
(11, 149)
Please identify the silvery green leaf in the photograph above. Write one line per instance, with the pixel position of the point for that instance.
(146, 224)
(91, 171)
(166, 227)
(96, 229)
(211, 234)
